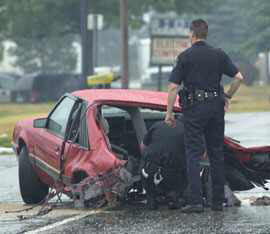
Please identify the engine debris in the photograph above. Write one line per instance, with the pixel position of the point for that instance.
(114, 181)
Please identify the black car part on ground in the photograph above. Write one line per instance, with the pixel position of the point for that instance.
(260, 162)
(245, 173)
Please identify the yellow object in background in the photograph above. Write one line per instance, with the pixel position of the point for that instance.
(100, 79)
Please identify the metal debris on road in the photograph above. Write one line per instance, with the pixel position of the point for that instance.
(45, 206)
(261, 201)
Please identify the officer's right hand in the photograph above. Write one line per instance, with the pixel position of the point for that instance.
(227, 104)
(170, 120)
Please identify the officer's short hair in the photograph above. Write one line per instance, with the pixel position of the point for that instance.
(199, 28)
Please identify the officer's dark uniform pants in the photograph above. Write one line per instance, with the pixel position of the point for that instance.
(205, 118)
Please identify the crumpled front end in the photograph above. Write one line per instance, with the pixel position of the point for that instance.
(114, 181)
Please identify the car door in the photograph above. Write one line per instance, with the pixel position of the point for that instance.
(77, 149)
(49, 140)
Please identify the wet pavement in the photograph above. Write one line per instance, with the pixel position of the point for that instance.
(250, 128)
(9, 186)
(10, 201)
(137, 220)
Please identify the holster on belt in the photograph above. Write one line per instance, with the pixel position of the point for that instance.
(186, 98)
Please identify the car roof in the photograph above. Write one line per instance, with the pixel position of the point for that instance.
(128, 97)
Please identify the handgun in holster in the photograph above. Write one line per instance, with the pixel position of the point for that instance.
(186, 98)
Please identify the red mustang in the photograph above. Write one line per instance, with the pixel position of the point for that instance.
(89, 144)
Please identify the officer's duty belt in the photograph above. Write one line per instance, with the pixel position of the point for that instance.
(188, 97)
(203, 95)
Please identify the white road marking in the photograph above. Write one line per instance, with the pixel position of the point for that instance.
(57, 224)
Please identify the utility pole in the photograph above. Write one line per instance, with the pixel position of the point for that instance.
(86, 43)
(159, 77)
(124, 42)
(267, 67)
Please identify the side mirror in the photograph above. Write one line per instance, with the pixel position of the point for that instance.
(40, 123)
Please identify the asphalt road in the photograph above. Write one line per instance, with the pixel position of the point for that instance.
(250, 129)
(138, 220)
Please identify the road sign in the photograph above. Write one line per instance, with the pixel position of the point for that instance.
(95, 22)
(169, 26)
(164, 50)
(169, 37)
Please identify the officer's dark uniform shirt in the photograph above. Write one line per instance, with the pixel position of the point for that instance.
(202, 66)
(162, 139)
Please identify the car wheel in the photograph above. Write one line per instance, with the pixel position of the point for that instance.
(32, 189)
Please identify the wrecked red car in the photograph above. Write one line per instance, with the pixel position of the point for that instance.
(89, 144)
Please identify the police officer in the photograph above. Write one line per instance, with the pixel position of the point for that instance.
(200, 69)
(164, 165)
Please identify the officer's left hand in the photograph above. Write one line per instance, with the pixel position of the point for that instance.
(170, 120)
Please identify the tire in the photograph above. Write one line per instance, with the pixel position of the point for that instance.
(32, 189)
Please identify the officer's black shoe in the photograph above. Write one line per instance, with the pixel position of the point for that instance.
(152, 203)
(173, 205)
(217, 207)
(192, 208)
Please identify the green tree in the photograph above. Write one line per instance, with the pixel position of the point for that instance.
(39, 28)
(259, 20)
(136, 8)
(38, 18)
(48, 55)
(230, 30)
(227, 28)
(241, 28)
(44, 34)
